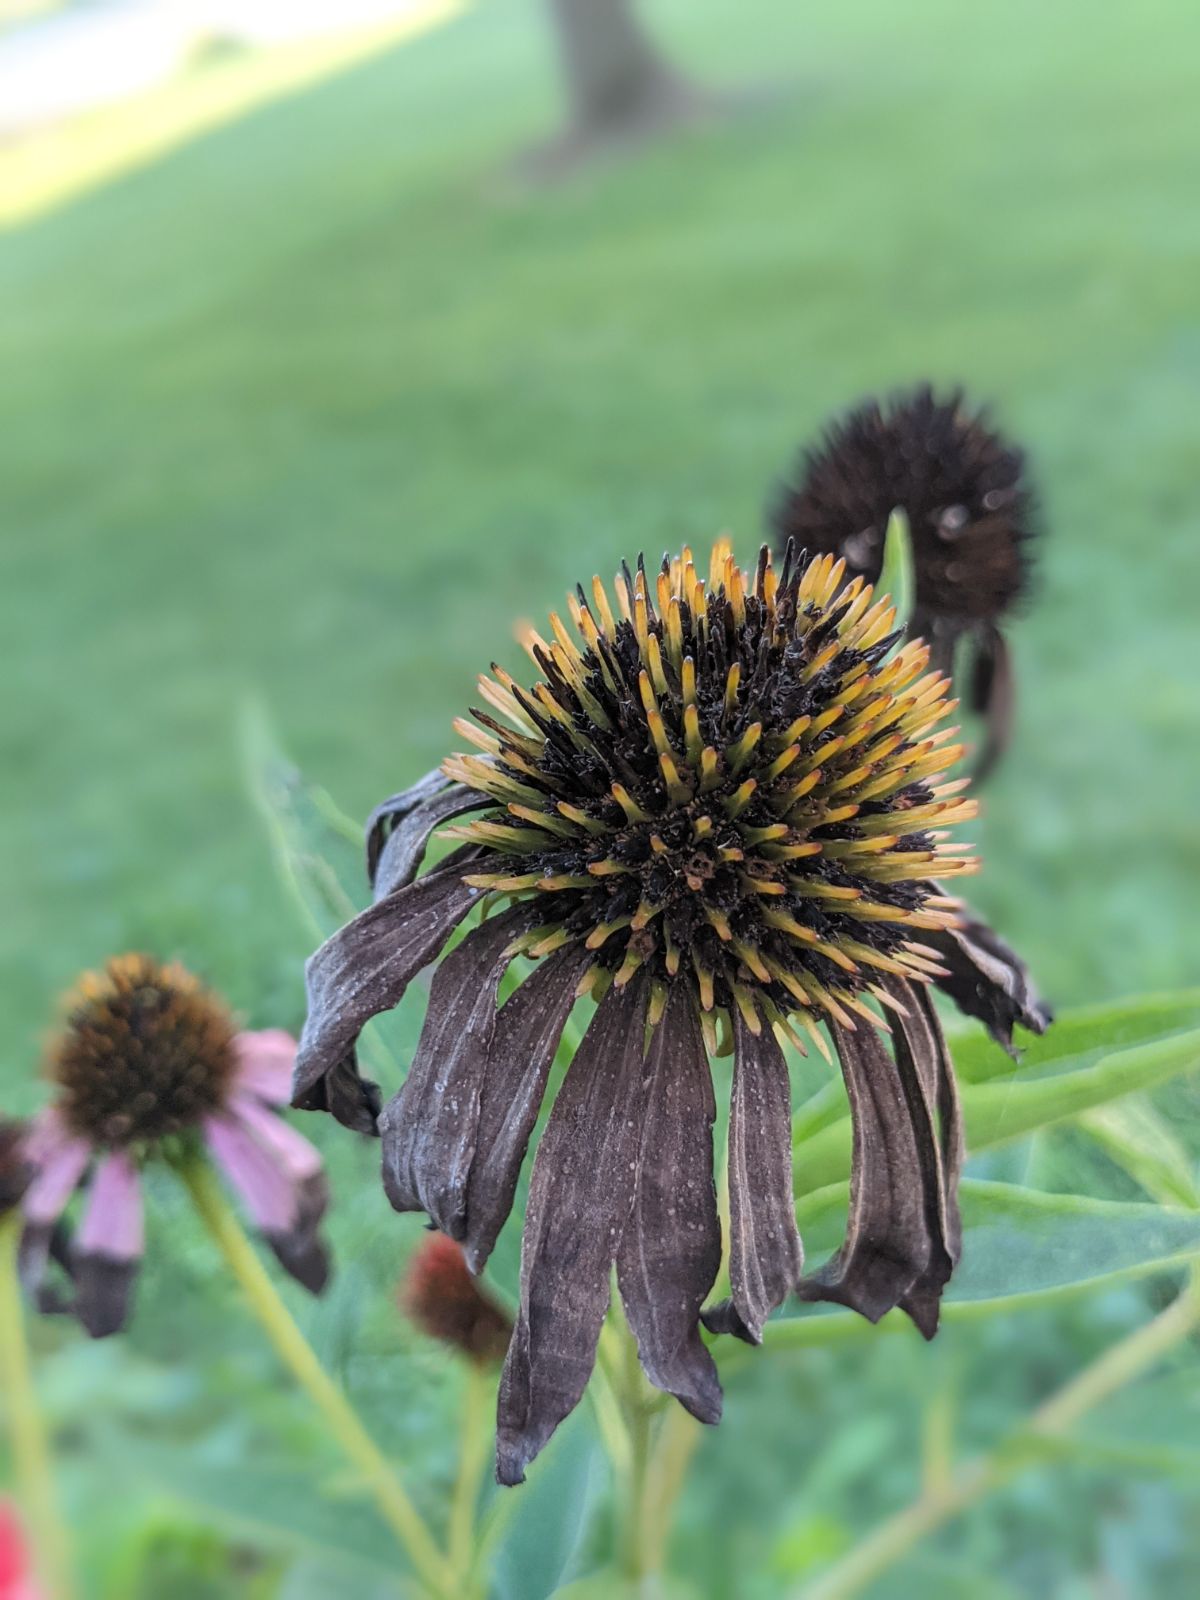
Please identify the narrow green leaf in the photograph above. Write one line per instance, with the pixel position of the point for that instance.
(1140, 1140)
(1077, 1037)
(997, 1112)
(896, 576)
(1022, 1249)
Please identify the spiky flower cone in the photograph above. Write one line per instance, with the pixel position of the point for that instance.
(721, 811)
(736, 790)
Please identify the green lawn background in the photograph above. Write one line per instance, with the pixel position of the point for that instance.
(314, 408)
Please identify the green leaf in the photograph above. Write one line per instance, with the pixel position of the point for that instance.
(1021, 1249)
(285, 1510)
(1139, 1139)
(318, 850)
(1077, 1037)
(996, 1112)
(896, 577)
(544, 1522)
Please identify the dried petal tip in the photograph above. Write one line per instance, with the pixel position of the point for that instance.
(15, 1167)
(447, 1303)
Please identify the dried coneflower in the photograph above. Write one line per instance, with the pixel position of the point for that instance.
(445, 1300)
(149, 1061)
(971, 514)
(721, 811)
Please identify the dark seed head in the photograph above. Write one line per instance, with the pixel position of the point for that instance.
(146, 1053)
(970, 509)
(446, 1302)
(15, 1171)
(734, 784)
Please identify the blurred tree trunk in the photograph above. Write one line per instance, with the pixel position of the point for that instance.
(618, 84)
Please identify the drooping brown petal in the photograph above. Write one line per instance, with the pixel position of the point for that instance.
(579, 1202)
(993, 696)
(893, 1233)
(766, 1257)
(362, 970)
(108, 1248)
(671, 1249)
(528, 1027)
(300, 1249)
(927, 1074)
(429, 1129)
(986, 979)
(399, 830)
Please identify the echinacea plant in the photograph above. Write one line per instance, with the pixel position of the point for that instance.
(720, 816)
(972, 517)
(148, 1062)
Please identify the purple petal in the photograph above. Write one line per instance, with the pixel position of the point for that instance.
(362, 970)
(60, 1160)
(766, 1258)
(299, 1159)
(265, 1188)
(109, 1247)
(265, 1061)
(528, 1027)
(671, 1250)
(399, 830)
(579, 1202)
(429, 1129)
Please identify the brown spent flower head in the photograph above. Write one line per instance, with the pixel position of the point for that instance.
(721, 812)
(972, 517)
(15, 1167)
(732, 787)
(445, 1301)
(146, 1053)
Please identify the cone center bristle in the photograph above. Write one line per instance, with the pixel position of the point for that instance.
(146, 1053)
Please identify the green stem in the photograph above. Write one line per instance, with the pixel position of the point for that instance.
(472, 1459)
(31, 1452)
(677, 1441)
(298, 1356)
(976, 1479)
(637, 1406)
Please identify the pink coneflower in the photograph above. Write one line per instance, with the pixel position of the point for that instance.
(148, 1062)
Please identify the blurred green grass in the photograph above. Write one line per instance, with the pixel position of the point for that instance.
(318, 404)
(315, 407)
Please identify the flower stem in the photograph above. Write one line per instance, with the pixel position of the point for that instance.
(30, 1449)
(299, 1357)
(472, 1459)
(637, 1405)
(677, 1441)
(946, 1498)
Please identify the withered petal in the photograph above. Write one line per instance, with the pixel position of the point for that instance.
(993, 693)
(671, 1250)
(766, 1257)
(528, 1027)
(895, 1182)
(927, 1074)
(362, 970)
(430, 1127)
(301, 1251)
(987, 980)
(399, 830)
(103, 1291)
(579, 1202)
